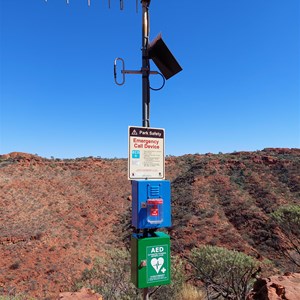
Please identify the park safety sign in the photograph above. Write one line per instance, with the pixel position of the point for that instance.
(146, 157)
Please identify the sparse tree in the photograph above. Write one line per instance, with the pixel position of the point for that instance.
(226, 274)
(288, 220)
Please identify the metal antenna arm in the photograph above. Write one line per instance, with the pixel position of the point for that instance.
(115, 71)
(124, 72)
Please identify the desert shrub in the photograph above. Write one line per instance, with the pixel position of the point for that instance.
(225, 273)
(189, 292)
(110, 277)
(288, 219)
(173, 290)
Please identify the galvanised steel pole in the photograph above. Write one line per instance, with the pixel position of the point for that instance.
(145, 82)
(145, 63)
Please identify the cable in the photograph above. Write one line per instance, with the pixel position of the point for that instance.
(163, 84)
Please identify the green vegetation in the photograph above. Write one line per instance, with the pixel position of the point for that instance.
(288, 219)
(172, 291)
(226, 274)
(110, 277)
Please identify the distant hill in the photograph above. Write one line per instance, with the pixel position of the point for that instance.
(57, 215)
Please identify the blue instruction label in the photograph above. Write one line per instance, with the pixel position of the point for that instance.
(135, 154)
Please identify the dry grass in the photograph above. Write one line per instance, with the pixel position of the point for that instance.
(189, 292)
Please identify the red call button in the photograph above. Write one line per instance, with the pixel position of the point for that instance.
(154, 206)
(154, 211)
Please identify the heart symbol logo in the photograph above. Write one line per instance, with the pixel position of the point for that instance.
(157, 263)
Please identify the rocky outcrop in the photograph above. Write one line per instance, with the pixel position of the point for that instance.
(277, 287)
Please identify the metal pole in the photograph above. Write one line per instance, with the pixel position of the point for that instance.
(145, 82)
(146, 294)
(145, 63)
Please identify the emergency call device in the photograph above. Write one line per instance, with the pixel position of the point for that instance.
(151, 204)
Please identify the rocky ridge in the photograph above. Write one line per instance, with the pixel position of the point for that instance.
(57, 215)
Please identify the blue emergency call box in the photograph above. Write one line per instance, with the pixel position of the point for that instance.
(151, 204)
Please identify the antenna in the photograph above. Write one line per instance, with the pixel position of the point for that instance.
(121, 4)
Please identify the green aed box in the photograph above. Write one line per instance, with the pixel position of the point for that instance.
(150, 259)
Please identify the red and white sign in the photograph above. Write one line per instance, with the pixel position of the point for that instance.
(146, 157)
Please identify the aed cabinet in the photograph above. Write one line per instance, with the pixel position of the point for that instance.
(151, 204)
(150, 259)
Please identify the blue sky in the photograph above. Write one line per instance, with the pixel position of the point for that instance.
(238, 91)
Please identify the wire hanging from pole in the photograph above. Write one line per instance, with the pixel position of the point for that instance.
(163, 84)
